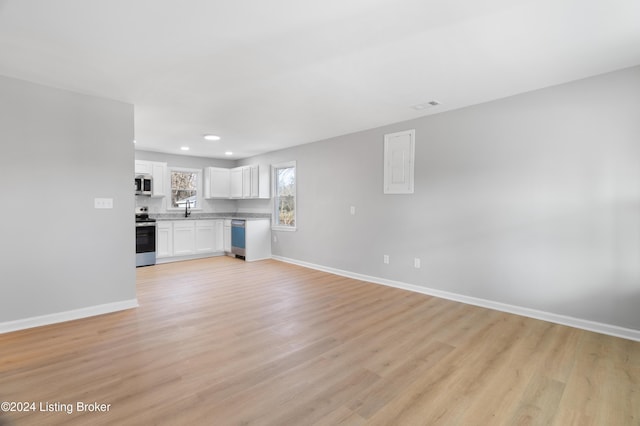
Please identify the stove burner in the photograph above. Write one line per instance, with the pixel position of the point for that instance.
(142, 214)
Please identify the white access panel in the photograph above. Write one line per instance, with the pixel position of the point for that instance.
(399, 152)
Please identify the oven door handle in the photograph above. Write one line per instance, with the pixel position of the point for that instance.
(141, 225)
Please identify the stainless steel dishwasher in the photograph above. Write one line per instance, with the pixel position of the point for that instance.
(238, 239)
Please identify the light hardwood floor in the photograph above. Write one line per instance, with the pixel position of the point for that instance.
(224, 342)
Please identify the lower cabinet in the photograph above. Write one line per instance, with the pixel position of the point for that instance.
(205, 232)
(184, 241)
(164, 239)
(227, 235)
(219, 235)
(183, 238)
(258, 239)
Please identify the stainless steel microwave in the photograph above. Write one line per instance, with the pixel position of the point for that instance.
(144, 185)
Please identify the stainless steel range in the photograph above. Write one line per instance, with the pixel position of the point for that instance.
(145, 238)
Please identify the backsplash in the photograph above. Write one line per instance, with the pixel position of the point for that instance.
(158, 205)
(196, 216)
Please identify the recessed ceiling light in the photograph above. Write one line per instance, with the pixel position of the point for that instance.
(211, 137)
(425, 105)
(228, 153)
(184, 148)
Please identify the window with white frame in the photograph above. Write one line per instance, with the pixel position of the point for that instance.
(186, 188)
(284, 196)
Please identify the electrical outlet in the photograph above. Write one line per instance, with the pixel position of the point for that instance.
(416, 263)
(385, 259)
(353, 210)
(275, 238)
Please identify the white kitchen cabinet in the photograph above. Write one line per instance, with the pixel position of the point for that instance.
(218, 236)
(227, 235)
(197, 238)
(264, 181)
(158, 173)
(236, 186)
(260, 181)
(217, 182)
(184, 237)
(160, 179)
(246, 182)
(164, 239)
(143, 167)
(205, 236)
(190, 239)
(257, 239)
(254, 176)
(250, 182)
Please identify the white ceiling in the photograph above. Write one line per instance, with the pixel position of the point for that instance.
(271, 74)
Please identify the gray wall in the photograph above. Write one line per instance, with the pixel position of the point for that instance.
(60, 150)
(532, 200)
(159, 205)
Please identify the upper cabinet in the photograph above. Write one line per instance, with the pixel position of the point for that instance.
(160, 179)
(236, 185)
(143, 167)
(216, 182)
(158, 173)
(250, 182)
(246, 182)
(263, 181)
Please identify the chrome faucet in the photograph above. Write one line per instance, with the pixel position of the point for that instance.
(187, 209)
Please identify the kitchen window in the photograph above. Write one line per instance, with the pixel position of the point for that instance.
(186, 189)
(284, 200)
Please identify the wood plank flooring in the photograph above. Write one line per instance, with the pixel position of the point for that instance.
(224, 342)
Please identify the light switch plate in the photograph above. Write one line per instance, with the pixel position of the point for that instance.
(103, 203)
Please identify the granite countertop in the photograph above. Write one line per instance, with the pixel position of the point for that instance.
(210, 216)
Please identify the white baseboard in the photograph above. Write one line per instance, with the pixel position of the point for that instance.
(612, 330)
(6, 327)
(171, 259)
